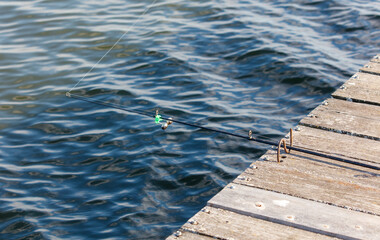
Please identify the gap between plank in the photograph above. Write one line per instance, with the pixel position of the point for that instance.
(356, 100)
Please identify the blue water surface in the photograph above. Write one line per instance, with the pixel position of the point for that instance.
(74, 170)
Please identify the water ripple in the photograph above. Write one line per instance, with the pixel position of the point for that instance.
(71, 170)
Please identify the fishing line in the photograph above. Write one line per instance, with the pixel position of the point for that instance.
(169, 120)
(158, 118)
(109, 50)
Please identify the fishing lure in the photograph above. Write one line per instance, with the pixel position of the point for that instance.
(158, 119)
(281, 144)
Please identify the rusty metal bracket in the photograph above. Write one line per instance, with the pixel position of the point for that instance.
(158, 119)
(282, 142)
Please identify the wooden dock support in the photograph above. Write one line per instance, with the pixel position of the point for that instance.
(303, 196)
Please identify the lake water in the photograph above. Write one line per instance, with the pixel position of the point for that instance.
(73, 170)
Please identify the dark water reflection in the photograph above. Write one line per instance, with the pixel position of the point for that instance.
(72, 170)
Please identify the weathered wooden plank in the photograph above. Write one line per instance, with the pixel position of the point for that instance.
(341, 145)
(223, 224)
(182, 234)
(297, 212)
(317, 179)
(305, 194)
(371, 67)
(362, 87)
(376, 58)
(341, 116)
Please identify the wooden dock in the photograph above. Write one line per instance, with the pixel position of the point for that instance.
(303, 196)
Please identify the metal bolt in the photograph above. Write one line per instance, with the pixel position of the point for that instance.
(325, 103)
(358, 227)
(297, 129)
(178, 233)
(193, 222)
(343, 87)
(231, 187)
(367, 66)
(260, 205)
(376, 57)
(205, 210)
(290, 217)
(253, 167)
(245, 178)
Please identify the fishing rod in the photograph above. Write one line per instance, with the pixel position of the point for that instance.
(169, 120)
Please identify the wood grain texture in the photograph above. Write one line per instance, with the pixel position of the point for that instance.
(362, 87)
(341, 116)
(371, 67)
(185, 235)
(297, 212)
(340, 145)
(317, 179)
(223, 224)
(308, 197)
